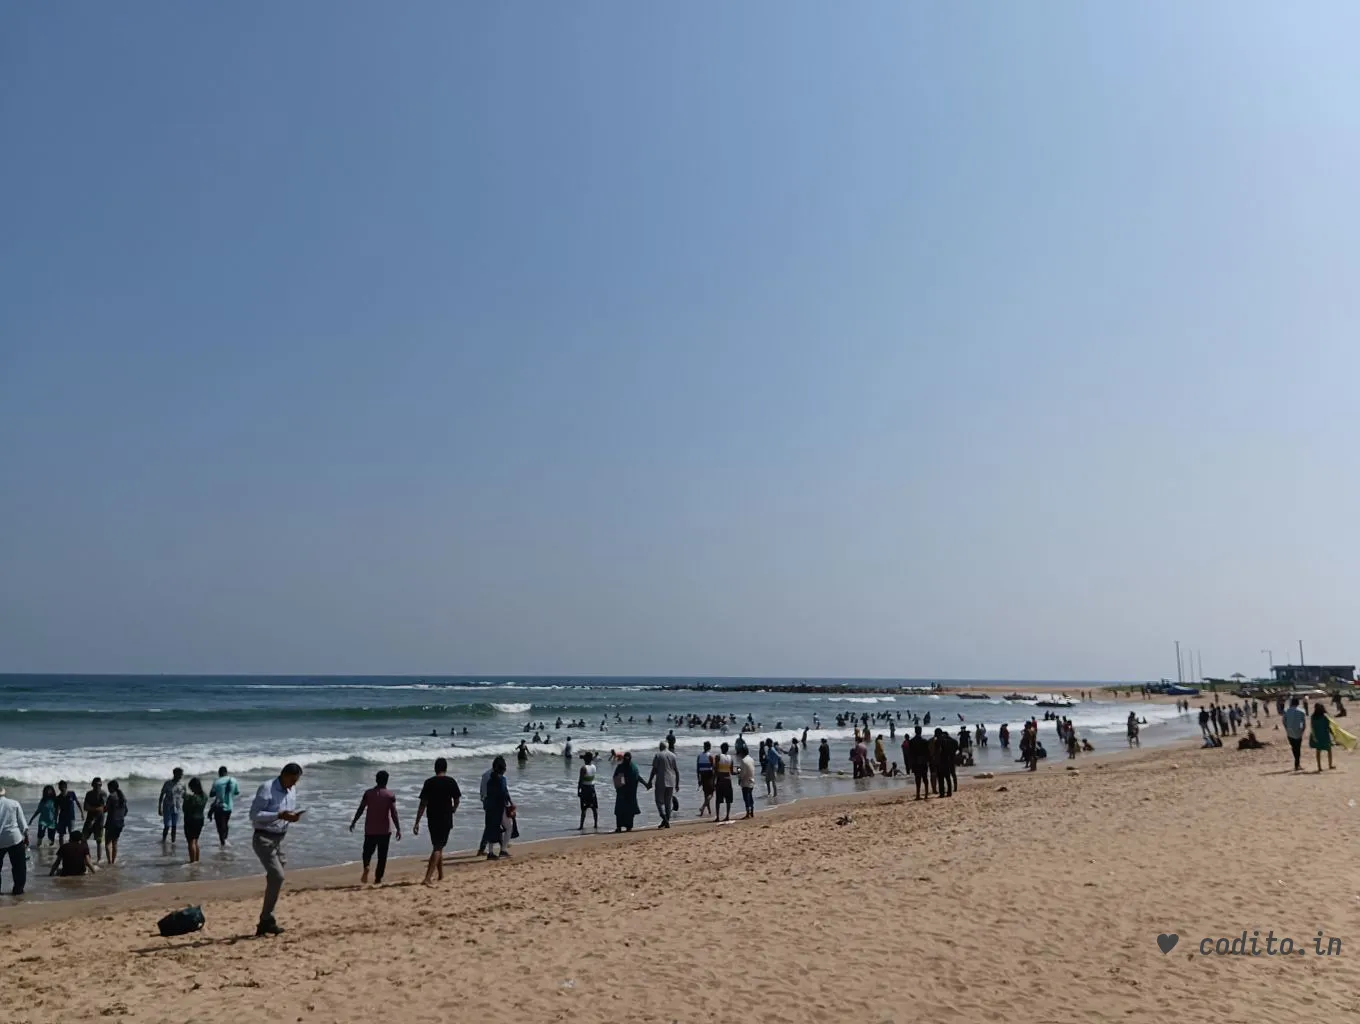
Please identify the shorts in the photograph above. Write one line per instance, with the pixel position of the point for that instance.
(707, 783)
(193, 828)
(112, 832)
(724, 789)
(590, 801)
(94, 828)
(439, 834)
(171, 817)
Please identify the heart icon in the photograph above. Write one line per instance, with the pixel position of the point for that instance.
(1166, 943)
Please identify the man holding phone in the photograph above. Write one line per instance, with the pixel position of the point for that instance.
(271, 812)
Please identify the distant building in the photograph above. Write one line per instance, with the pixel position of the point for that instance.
(1315, 674)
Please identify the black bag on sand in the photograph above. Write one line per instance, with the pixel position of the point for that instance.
(181, 922)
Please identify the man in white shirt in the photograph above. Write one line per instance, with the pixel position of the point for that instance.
(14, 840)
(747, 778)
(666, 777)
(271, 812)
(1295, 724)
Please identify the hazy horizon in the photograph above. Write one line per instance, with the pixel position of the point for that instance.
(889, 340)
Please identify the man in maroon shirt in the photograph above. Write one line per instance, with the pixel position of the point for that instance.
(381, 805)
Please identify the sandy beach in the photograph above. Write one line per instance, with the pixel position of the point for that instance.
(1042, 901)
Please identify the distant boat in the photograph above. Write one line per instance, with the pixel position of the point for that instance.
(1019, 696)
(974, 696)
(1181, 691)
(1060, 702)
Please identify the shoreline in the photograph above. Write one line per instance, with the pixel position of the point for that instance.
(342, 876)
(1035, 896)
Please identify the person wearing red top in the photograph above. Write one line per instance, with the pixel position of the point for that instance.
(380, 803)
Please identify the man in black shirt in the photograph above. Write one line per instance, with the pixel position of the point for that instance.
(945, 749)
(439, 799)
(917, 753)
(73, 857)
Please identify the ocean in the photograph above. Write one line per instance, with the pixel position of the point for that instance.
(343, 729)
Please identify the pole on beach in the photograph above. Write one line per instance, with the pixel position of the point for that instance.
(1271, 655)
(1301, 661)
(1180, 674)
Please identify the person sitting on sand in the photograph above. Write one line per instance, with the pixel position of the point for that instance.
(1250, 742)
(1086, 746)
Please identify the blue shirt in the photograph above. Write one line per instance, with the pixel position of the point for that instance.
(224, 791)
(270, 799)
(1295, 722)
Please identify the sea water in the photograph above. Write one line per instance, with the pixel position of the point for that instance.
(344, 729)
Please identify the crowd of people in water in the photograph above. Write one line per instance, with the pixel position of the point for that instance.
(83, 834)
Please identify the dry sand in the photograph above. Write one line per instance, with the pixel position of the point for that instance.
(1040, 903)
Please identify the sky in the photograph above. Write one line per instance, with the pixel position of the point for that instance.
(982, 340)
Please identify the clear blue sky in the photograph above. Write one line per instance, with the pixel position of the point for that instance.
(988, 339)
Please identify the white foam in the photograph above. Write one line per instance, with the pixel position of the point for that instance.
(513, 709)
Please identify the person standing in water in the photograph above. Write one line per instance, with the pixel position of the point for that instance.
(824, 756)
(224, 794)
(704, 766)
(722, 771)
(379, 808)
(68, 809)
(271, 812)
(195, 806)
(747, 778)
(117, 817)
(439, 799)
(96, 806)
(169, 804)
(585, 791)
(14, 841)
(773, 763)
(664, 781)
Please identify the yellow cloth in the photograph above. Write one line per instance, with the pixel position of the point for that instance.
(1340, 735)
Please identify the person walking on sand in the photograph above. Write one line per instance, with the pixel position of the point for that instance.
(747, 779)
(1320, 734)
(439, 799)
(707, 782)
(14, 841)
(379, 804)
(194, 808)
(626, 781)
(664, 782)
(1295, 724)
(224, 794)
(117, 817)
(271, 812)
(585, 790)
(497, 808)
(169, 804)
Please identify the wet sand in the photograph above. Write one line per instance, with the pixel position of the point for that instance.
(1042, 902)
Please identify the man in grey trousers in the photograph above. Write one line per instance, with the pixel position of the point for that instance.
(666, 776)
(271, 812)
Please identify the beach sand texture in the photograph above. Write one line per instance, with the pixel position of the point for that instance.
(1040, 903)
